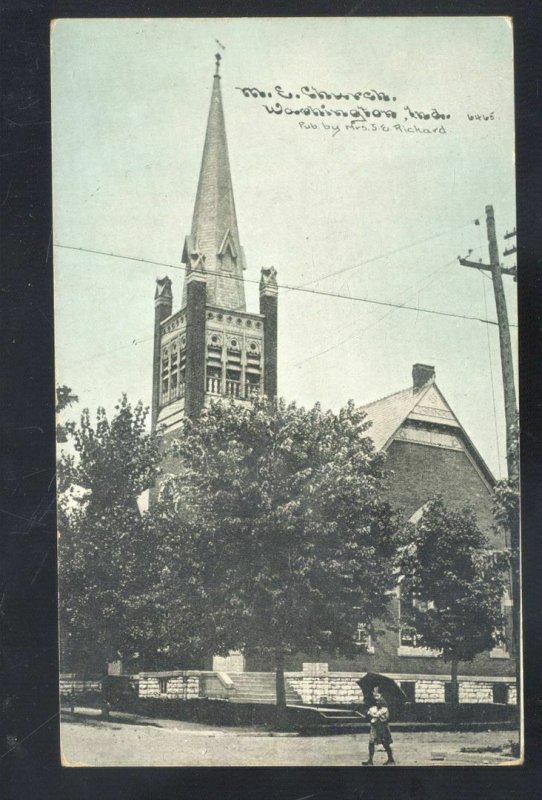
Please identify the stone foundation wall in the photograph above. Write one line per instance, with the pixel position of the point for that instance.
(332, 688)
(174, 686)
(73, 684)
(316, 686)
(429, 691)
(480, 692)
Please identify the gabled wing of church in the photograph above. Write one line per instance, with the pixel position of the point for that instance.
(212, 347)
(428, 451)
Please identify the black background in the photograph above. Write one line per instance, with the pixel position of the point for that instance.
(27, 519)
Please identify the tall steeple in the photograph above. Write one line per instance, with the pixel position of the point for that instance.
(213, 243)
(212, 348)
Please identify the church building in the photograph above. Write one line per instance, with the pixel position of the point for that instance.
(213, 347)
(429, 453)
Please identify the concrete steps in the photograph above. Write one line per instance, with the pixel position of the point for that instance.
(259, 687)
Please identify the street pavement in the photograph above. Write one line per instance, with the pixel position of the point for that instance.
(90, 741)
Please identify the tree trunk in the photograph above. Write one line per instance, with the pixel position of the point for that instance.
(454, 684)
(279, 678)
(280, 687)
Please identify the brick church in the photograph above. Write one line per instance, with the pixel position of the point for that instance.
(213, 347)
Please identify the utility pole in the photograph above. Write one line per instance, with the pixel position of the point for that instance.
(510, 404)
(510, 408)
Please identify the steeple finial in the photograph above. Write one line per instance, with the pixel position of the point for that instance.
(218, 58)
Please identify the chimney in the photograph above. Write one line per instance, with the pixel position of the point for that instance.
(422, 374)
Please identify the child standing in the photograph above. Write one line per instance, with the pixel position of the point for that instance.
(378, 715)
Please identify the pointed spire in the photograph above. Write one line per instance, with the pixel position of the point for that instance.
(214, 233)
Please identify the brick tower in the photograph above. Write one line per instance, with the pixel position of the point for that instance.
(212, 347)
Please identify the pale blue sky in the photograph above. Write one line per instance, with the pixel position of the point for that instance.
(130, 101)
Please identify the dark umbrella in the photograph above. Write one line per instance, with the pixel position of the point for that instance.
(389, 688)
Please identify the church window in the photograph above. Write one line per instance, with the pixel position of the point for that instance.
(500, 650)
(227, 261)
(165, 372)
(409, 604)
(363, 638)
(174, 386)
(253, 370)
(213, 381)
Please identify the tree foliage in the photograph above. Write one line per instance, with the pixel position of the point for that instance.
(506, 511)
(458, 581)
(64, 399)
(274, 524)
(106, 554)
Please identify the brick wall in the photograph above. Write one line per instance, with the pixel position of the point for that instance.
(421, 471)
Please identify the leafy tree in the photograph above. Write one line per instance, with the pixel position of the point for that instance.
(64, 399)
(506, 511)
(274, 527)
(458, 583)
(105, 547)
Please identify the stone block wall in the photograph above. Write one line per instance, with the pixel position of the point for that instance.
(316, 686)
(73, 684)
(428, 691)
(319, 687)
(172, 686)
(479, 692)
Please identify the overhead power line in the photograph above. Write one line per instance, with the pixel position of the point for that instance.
(289, 287)
(386, 255)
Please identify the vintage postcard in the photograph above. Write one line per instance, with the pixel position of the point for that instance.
(286, 353)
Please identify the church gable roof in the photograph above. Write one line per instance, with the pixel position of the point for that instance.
(425, 404)
(388, 414)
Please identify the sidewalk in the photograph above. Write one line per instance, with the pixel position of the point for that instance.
(129, 741)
